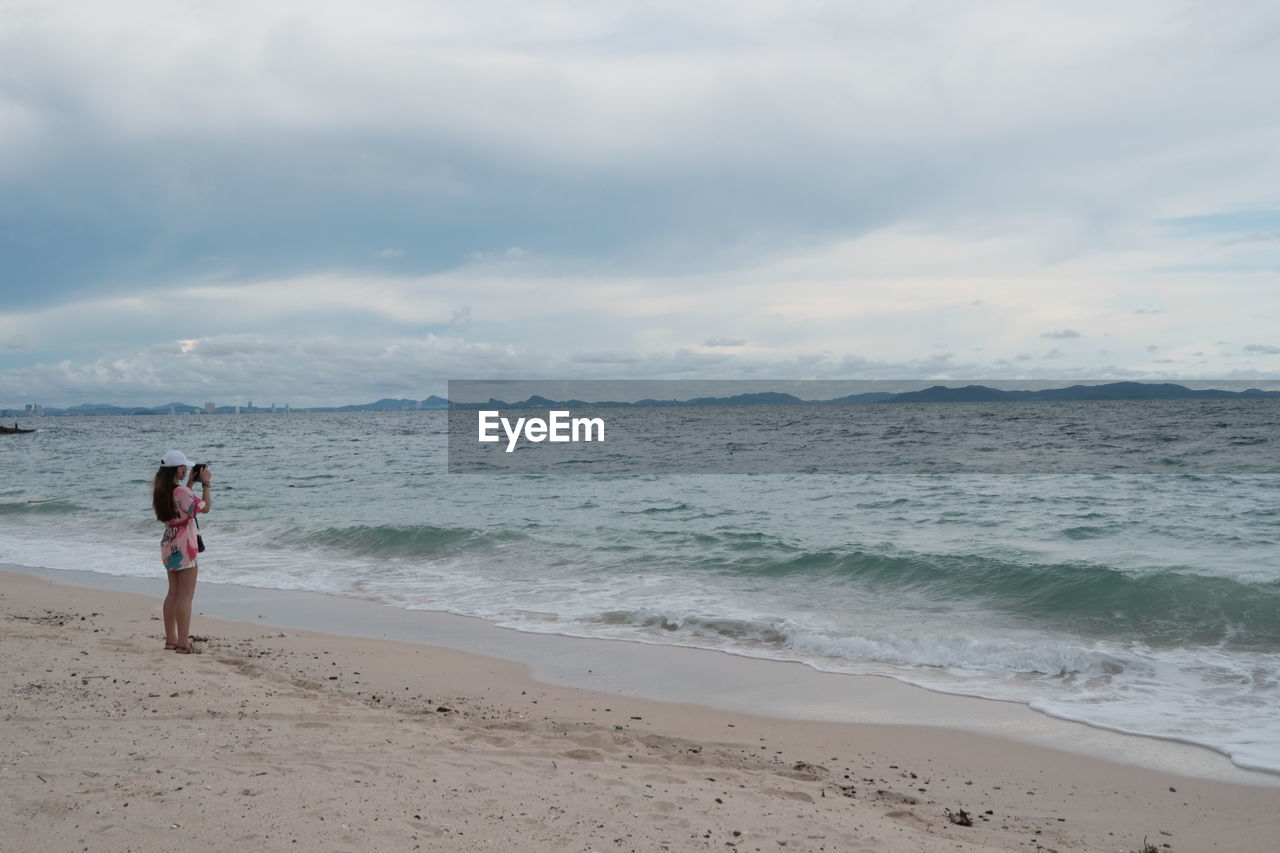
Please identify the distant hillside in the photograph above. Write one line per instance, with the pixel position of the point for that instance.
(934, 394)
(1110, 391)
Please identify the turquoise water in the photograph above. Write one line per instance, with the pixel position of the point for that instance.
(1145, 603)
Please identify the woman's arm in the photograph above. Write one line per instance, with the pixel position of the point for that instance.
(205, 500)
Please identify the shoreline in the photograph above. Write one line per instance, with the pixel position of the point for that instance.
(716, 679)
(289, 736)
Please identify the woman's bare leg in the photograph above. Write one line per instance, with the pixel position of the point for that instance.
(182, 608)
(170, 612)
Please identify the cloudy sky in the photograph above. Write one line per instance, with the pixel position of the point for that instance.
(335, 202)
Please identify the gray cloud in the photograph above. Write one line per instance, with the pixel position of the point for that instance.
(285, 140)
(1262, 349)
(1257, 237)
(604, 184)
(606, 357)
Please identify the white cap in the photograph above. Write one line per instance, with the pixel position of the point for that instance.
(174, 459)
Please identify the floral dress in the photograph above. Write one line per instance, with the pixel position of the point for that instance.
(178, 547)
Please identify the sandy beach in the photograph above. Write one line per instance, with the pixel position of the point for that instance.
(285, 739)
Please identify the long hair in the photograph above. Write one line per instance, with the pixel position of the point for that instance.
(162, 494)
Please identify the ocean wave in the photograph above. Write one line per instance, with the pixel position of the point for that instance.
(403, 541)
(1008, 656)
(1200, 695)
(1172, 604)
(37, 506)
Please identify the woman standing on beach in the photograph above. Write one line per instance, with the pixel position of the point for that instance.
(176, 505)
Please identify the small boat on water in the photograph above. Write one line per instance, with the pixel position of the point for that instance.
(13, 430)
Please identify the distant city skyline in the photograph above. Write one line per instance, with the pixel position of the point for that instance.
(218, 201)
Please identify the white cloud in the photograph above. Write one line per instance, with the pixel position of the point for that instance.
(840, 307)
(837, 184)
(306, 372)
(329, 371)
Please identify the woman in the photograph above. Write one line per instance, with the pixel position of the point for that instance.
(176, 505)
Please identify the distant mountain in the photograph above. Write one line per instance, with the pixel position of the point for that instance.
(765, 398)
(863, 399)
(102, 409)
(536, 402)
(99, 409)
(934, 394)
(943, 394)
(178, 408)
(386, 404)
(1109, 391)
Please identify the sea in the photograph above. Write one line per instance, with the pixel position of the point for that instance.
(1142, 597)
